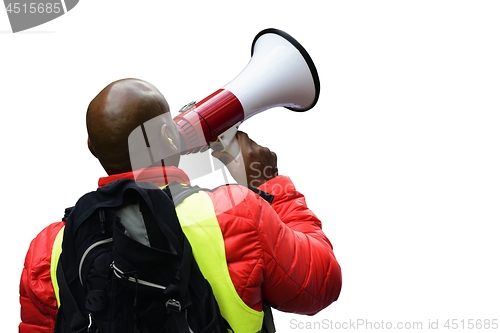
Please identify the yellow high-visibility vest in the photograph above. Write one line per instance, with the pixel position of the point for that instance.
(202, 229)
(54, 259)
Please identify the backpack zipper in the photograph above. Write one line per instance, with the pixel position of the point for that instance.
(121, 275)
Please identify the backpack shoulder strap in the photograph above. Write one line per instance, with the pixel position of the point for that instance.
(178, 192)
(264, 195)
(156, 237)
(76, 319)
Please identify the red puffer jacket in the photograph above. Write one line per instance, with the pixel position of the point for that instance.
(277, 252)
(36, 293)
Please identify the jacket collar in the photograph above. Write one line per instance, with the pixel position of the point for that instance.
(160, 176)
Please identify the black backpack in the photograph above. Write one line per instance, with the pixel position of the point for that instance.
(109, 282)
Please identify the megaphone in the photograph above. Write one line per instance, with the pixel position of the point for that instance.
(280, 73)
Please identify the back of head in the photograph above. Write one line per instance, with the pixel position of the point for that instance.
(115, 112)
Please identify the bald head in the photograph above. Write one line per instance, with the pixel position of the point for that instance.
(115, 112)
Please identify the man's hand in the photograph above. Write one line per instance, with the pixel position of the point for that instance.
(254, 165)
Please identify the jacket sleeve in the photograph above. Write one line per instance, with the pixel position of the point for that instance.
(277, 252)
(302, 273)
(36, 293)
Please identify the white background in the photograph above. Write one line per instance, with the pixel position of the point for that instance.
(399, 158)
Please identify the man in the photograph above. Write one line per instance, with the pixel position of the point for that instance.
(275, 252)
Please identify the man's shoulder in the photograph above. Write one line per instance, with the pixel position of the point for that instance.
(49, 232)
(229, 196)
(40, 249)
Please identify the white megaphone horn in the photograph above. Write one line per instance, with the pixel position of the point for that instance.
(280, 73)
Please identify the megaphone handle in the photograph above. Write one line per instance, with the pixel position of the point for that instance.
(233, 148)
(229, 141)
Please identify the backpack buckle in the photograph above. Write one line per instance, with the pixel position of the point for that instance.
(173, 305)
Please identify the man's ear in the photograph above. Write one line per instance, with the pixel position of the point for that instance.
(89, 144)
(167, 136)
